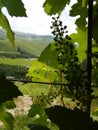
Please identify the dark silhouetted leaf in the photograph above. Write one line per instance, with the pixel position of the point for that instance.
(37, 127)
(7, 90)
(68, 119)
(14, 7)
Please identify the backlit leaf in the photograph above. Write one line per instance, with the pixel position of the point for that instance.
(55, 6)
(79, 10)
(81, 38)
(5, 24)
(41, 72)
(49, 56)
(83, 2)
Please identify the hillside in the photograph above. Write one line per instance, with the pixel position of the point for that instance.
(26, 44)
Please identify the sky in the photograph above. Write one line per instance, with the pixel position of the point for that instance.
(37, 21)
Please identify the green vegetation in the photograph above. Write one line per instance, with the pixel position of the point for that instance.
(16, 61)
(17, 72)
(42, 72)
(49, 56)
(70, 70)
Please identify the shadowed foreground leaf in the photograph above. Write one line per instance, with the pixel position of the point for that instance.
(14, 7)
(7, 119)
(37, 127)
(68, 119)
(7, 90)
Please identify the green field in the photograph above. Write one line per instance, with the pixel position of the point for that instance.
(16, 61)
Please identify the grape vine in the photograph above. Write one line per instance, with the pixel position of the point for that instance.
(74, 78)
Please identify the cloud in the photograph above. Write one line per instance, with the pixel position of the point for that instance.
(38, 21)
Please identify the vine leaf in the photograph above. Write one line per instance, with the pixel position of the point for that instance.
(7, 90)
(42, 73)
(7, 119)
(49, 55)
(81, 22)
(38, 109)
(79, 9)
(14, 7)
(55, 6)
(5, 24)
(83, 2)
(81, 38)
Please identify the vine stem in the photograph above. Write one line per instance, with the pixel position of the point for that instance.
(89, 50)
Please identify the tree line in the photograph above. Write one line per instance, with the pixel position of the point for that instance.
(18, 72)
